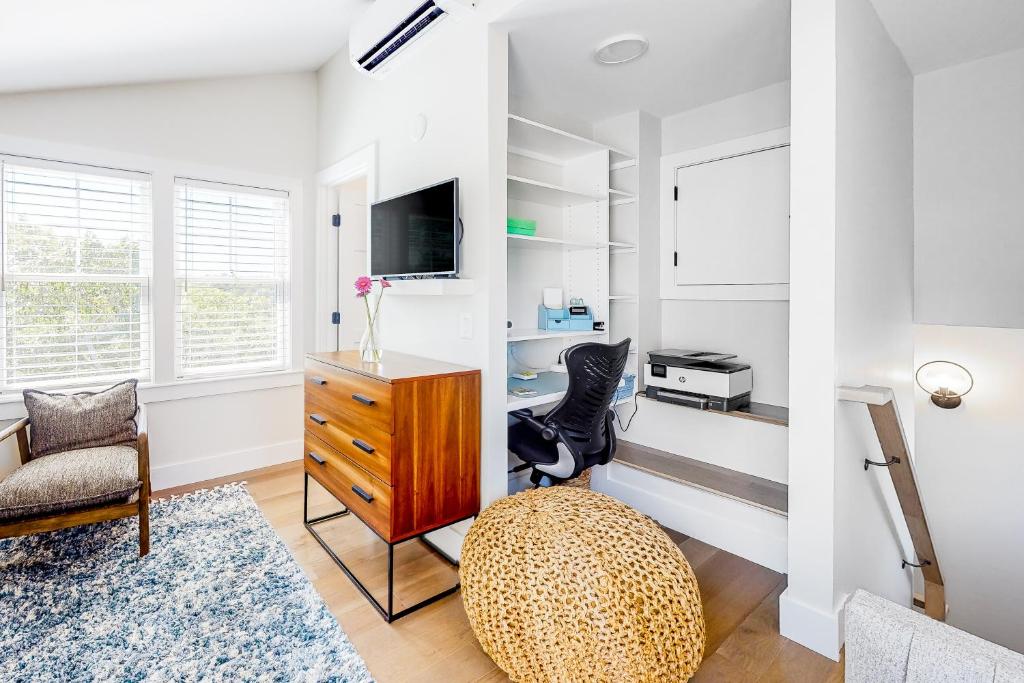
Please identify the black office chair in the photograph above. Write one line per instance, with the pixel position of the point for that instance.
(577, 433)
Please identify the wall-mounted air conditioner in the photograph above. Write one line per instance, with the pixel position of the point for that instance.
(389, 27)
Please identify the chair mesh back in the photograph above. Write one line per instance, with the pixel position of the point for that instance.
(594, 374)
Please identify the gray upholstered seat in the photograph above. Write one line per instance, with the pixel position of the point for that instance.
(72, 480)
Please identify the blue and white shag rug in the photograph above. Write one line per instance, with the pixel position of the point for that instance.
(218, 598)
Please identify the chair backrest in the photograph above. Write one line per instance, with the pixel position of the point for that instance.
(594, 374)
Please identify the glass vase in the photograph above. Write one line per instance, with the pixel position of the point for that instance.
(370, 350)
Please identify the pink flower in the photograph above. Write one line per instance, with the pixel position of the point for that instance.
(384, 283)
(363, 285)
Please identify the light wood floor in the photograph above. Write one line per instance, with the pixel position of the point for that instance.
(436, 644)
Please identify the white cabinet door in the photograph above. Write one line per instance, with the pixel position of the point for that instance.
(732, 220)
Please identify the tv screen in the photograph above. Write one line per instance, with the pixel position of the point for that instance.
(416, 233)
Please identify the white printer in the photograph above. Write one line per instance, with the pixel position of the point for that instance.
(699, 379)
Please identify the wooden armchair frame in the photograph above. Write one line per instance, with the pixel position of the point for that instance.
(92, 515)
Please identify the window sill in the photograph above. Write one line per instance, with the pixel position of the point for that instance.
(12, 407)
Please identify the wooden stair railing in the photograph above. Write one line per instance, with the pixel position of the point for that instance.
(882, 408)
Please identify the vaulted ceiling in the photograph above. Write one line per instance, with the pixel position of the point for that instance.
(47, 44)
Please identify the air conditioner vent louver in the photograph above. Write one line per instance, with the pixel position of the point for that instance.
(397, 39)
(389, 27)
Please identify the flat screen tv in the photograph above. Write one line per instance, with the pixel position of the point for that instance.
(416, 234)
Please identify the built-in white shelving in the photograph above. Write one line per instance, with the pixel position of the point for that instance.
(529, 190)
(533, 335)
(623, 298)
(534, 242)
(544, 142)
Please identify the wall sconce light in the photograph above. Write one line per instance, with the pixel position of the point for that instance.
(947, 382)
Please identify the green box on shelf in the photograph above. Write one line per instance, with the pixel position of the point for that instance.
(521, 226)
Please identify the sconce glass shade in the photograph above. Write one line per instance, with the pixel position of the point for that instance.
(947, 382)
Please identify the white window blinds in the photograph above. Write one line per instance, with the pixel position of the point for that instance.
(231, 269)
(76, 274)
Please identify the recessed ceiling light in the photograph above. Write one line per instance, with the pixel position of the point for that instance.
(621, 49)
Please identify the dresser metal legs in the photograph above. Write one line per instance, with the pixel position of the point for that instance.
(387, 612)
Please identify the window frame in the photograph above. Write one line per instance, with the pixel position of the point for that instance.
(144, 278)
(282, 284)
(163, 385)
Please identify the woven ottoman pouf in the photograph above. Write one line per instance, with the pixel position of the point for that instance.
(564, 584)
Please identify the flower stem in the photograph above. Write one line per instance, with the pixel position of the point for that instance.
(369, 322)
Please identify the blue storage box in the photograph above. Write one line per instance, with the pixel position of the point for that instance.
(552, 318)
(627, 389)
(559, 319)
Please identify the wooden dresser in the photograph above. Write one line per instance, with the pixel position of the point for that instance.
(398, 442)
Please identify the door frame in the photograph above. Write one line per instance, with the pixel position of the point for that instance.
(359, 164)
(669, 165)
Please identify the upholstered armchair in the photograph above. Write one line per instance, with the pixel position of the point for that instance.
(84, 459)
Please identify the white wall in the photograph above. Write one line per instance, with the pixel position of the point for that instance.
(757, 331)
(458, 81)
(969, 270)
(257, 127)
(969, 465)
(874, 294)
(968, 148)
(754, 112)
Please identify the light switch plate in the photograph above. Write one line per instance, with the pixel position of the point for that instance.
(466, 325)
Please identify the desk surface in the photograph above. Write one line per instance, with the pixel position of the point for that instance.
(550, 387)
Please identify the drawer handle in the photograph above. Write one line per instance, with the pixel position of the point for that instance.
(316, 458)
(319, 419)
(363, 399)
(318, 380)
(362, 494)
(363, 446)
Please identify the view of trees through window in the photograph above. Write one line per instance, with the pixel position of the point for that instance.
(77, 268)
(231, 263)
(76, 283)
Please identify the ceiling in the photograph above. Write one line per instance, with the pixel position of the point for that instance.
(933, 34)
(701, 51)
(46, 44)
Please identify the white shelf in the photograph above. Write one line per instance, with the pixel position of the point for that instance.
(529, 335)
(432, 287)
(621, 194)
(541, 141)
(620, 165)
(623, 298)
(622, 202)
(533, 242)
(527, 190)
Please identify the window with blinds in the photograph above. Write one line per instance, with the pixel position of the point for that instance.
(231, 270)
(76, 265)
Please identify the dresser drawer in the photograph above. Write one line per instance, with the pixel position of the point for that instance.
(368, 447)
(347, 391)
(364, 495)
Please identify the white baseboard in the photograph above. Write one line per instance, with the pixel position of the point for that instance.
(750, 532)
(814, 629)
(223, 464)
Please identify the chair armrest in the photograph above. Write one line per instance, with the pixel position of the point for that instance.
(142, 446)
(13, 429)
(19, 428)
(526, 415)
